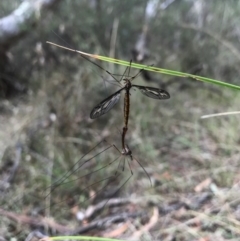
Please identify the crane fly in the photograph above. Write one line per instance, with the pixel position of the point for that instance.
(126, 153)
(107, 104)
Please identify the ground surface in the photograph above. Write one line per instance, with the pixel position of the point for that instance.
(192, 163)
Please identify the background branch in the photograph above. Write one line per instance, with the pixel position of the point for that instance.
(14, 26)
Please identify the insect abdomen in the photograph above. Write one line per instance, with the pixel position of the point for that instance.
(126, 107)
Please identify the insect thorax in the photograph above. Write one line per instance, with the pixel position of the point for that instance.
(127, 83)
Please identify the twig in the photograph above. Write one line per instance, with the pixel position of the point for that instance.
(118, 231)
(21, 21)
(220, 114)
(106, 222)
(34, 221)
(91, 210)
(152, 222)
(35, 234)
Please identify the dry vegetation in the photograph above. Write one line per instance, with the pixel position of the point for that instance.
(193, 163)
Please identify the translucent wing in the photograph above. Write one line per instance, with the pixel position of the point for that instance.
(106, 105)
(152, 92)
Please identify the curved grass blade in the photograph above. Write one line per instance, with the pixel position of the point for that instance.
(151, 68)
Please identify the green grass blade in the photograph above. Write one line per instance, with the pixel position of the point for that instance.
(152, 68)
(169, 72)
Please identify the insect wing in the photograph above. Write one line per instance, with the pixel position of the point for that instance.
(152, 92)
(106, 105)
